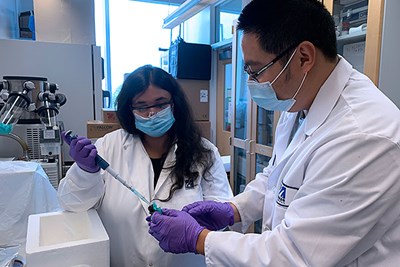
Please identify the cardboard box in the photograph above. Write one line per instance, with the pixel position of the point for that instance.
(205, 128)
(66, 239)
(97, 129)
(109, 115)
(196, 92)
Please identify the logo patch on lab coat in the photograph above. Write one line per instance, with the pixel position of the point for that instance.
(189, 184)
(282, 195)
(286, 195)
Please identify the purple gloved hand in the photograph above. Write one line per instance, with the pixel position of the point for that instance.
(176, 231)
(83, 152)
(211, 214)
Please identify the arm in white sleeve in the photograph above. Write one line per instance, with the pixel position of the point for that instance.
(80, 190)
(348, 201)
(250, 203)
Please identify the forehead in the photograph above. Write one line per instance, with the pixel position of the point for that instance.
(252, 51)
(152, 94)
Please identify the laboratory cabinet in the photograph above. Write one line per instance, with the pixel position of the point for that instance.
(359, 25)
(252, 129)
(373, 39)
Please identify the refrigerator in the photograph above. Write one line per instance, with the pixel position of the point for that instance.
(76, 68)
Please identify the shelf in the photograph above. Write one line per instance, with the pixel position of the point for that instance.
(221, 44)
(352, 38)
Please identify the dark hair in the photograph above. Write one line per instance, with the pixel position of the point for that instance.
(279, 24)
(191, 154)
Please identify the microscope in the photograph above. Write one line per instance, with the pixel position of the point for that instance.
(29, 109)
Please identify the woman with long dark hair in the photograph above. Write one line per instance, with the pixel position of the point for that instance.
(159, 151)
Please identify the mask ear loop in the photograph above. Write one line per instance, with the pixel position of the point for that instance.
(301, 84)
(284, 68)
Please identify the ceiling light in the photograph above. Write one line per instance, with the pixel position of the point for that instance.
(185, 11)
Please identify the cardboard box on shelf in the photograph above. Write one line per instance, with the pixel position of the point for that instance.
(205, 128)
(97, 129)
(196, 92)
(109, 115)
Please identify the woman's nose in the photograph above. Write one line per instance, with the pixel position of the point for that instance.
(151, 113)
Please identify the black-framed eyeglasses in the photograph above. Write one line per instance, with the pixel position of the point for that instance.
(254, 74)
(156, 107)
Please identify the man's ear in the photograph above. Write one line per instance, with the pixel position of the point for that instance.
(307, 53)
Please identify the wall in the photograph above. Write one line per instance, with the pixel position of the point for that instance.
(197, 29)
(8, 19)
(59, 21)
(25, 5)
(390, 54)
(65, 21)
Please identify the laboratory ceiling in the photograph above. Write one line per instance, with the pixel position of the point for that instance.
(226, 5)
(171, 2)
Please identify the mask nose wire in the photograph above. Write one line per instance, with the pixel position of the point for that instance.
(284, 68)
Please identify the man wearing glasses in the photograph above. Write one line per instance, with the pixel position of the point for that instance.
(330, 195)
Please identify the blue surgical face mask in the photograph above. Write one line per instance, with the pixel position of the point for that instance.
(156, 125)
(264, 94)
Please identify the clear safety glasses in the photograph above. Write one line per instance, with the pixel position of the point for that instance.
(146, 111)
(254, 74)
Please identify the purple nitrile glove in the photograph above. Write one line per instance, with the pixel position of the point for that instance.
(211, 214)
(83, 152)
(176, 231)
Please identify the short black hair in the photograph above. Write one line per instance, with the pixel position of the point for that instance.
(280, 24)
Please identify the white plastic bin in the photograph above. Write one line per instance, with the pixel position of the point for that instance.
(66, 239)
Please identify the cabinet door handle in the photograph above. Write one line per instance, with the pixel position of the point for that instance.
(249, 147)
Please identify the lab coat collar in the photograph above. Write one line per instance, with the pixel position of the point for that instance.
(327, 96)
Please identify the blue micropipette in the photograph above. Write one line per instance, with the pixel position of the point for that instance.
(106, 166)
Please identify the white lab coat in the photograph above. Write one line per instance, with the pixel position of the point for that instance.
(332, 197)
(122, 213)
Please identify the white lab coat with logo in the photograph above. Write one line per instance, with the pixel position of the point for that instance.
(332, 197)
(122, 213)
